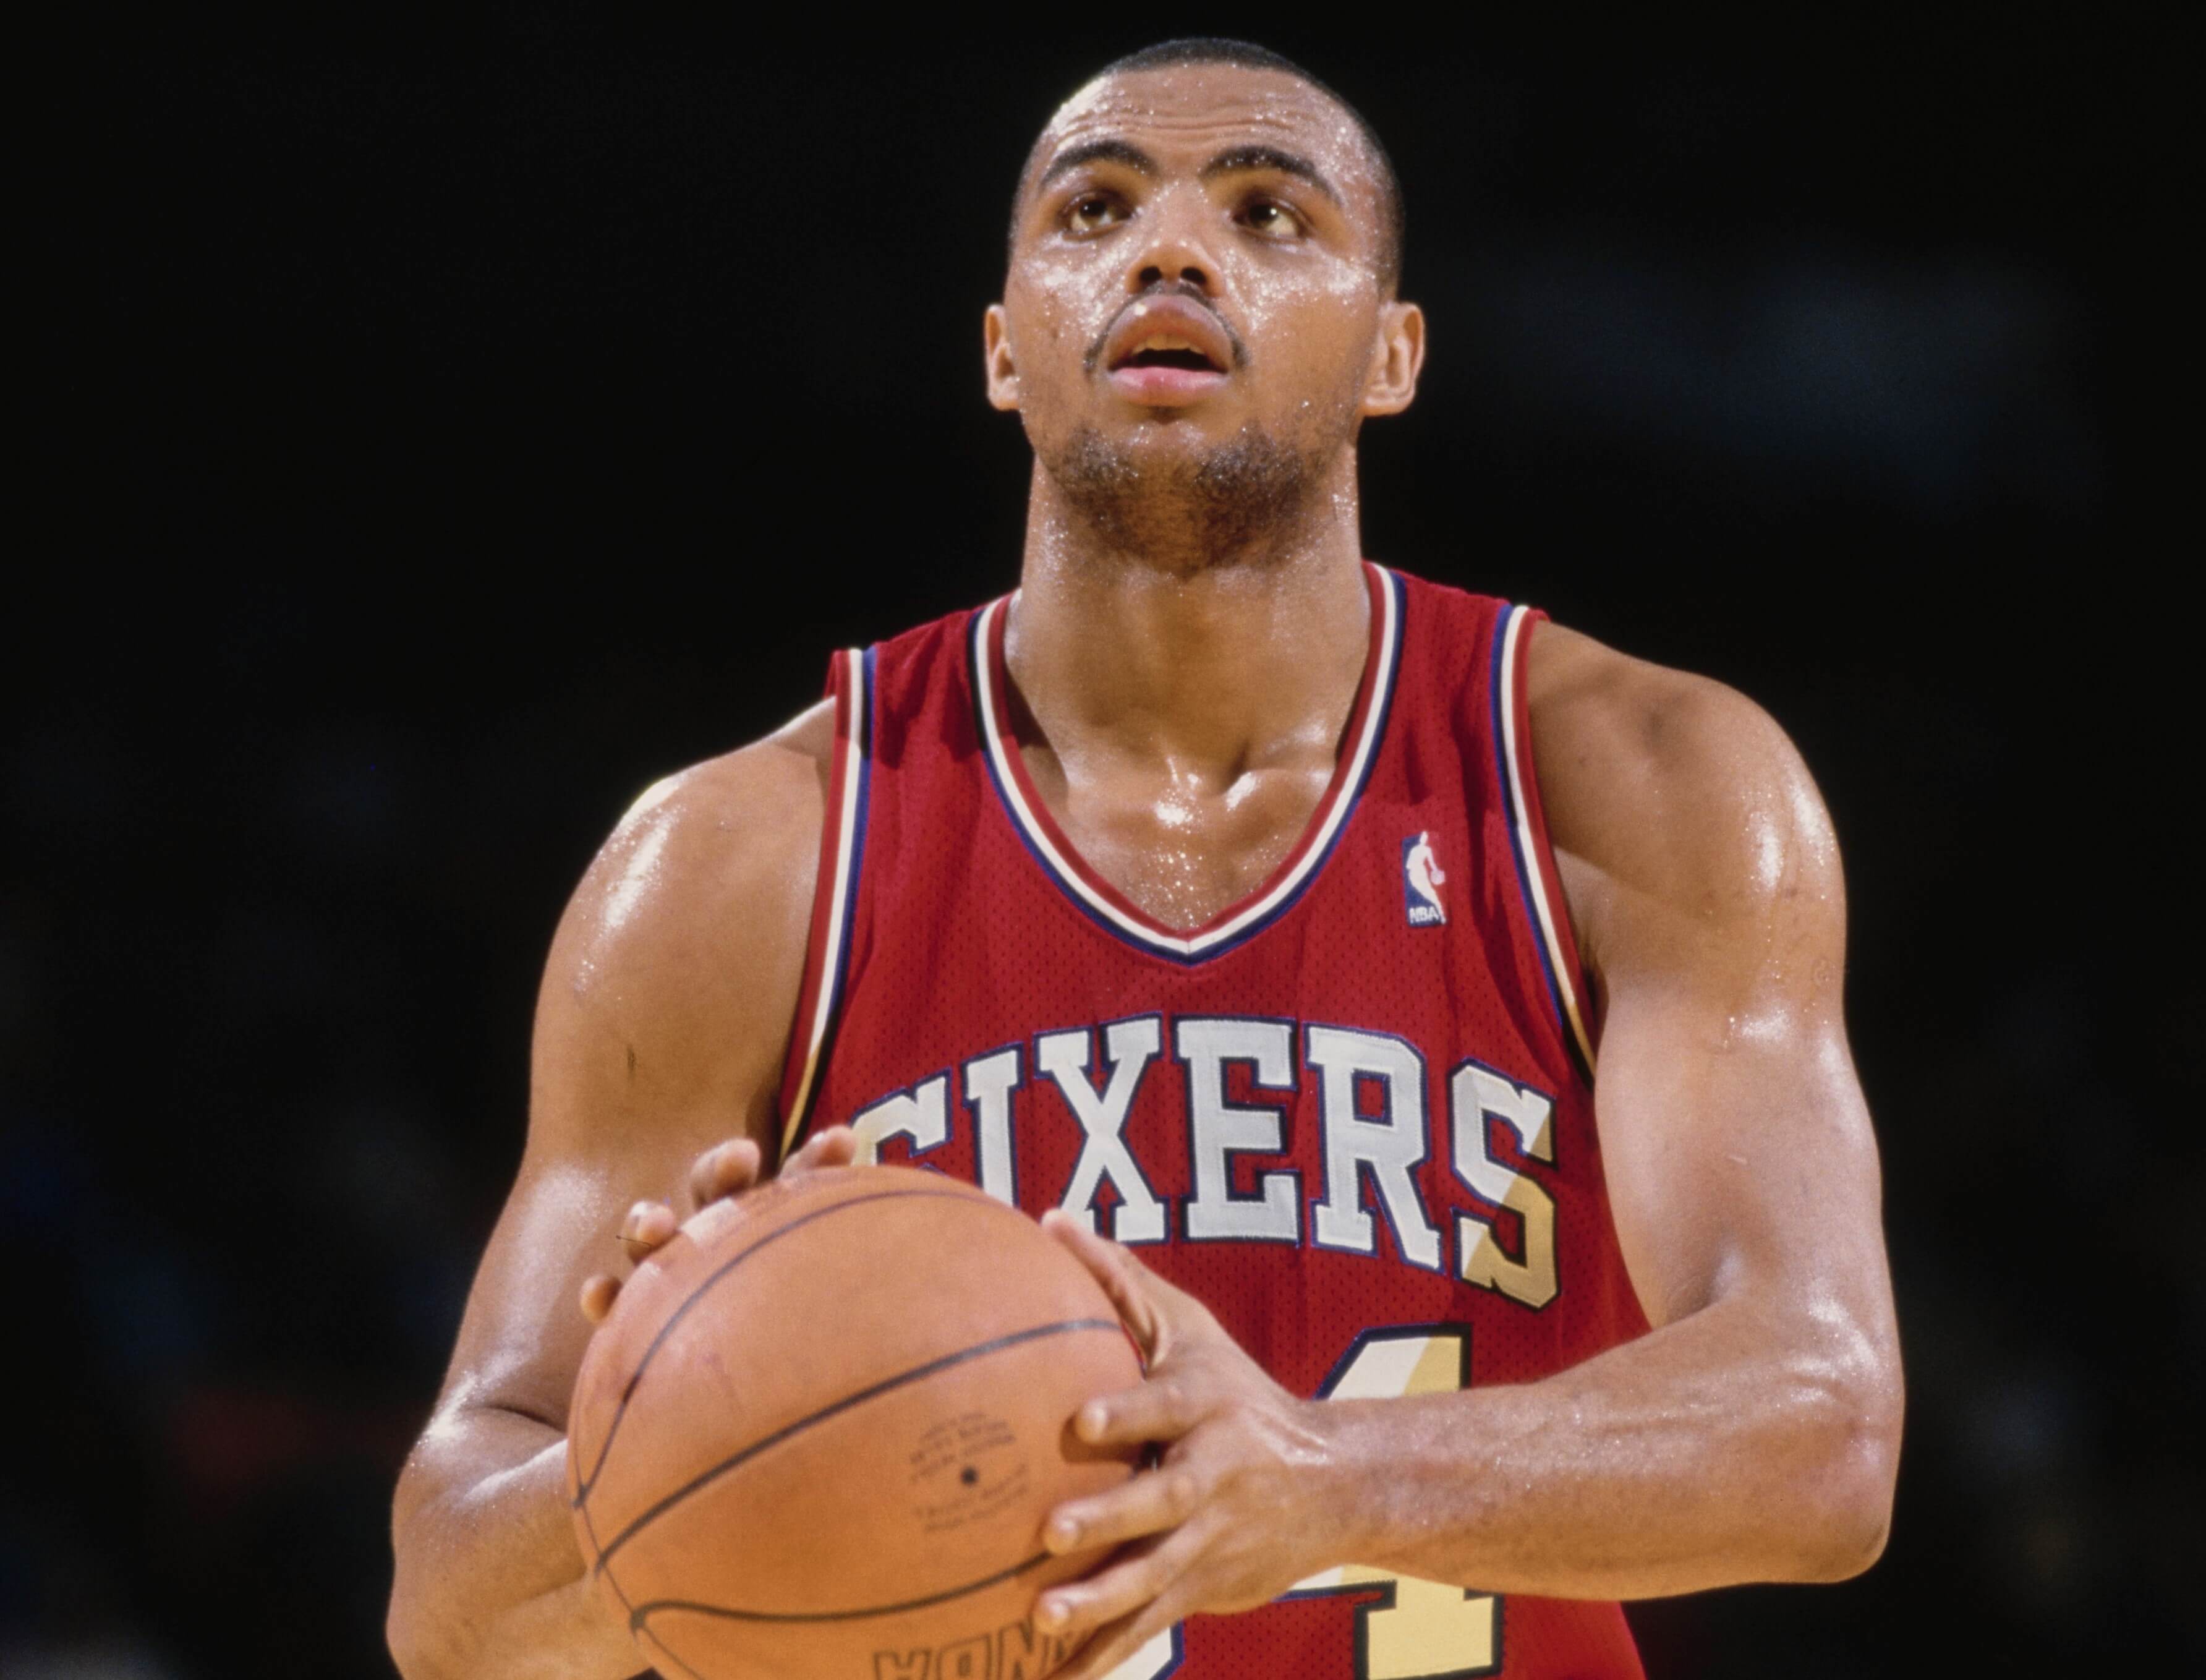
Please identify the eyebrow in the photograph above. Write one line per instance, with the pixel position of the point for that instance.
(1243, 159)
(1099, 152)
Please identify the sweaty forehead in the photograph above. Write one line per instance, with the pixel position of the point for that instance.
(1200, 110)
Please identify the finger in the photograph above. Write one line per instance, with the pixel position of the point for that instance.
(1147, 1504)
(1116, 1643)
(724, 1169)
(1163, 1408)
(1184, 1314)
(836, 1146)
(649, 1225)
(1118, 1589)
(598, 1294)
(1112, 1268)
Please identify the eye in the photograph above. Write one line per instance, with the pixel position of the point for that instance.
(1271, 218)
(1093, 212)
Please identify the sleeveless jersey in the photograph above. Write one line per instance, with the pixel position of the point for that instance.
(1352, 1113)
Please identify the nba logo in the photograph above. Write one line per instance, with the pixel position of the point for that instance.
(1421, 880)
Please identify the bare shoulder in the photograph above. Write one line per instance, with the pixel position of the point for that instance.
(674, 974)
(1677, 806)
(707, 845)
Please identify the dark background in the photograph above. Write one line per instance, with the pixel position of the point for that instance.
(441, 435)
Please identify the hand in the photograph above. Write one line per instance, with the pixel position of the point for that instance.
(725, 1170)
(1244, 1503)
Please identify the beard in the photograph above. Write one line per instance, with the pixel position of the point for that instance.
(1238, 502)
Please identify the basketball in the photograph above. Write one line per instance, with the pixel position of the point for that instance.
(821, 1431)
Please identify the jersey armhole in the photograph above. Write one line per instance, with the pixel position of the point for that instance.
(1536, 859)
(835, 897)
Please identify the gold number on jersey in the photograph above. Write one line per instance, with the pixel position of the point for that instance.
(1415, 1630)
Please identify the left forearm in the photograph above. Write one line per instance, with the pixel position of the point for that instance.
(1708, 1453)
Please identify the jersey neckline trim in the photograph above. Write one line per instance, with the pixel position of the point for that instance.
(1104, 904)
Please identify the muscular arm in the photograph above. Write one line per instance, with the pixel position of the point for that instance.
(666, 1007)
(1753, 1434)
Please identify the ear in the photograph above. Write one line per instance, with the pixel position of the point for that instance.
(996, 356)
(1395, 360)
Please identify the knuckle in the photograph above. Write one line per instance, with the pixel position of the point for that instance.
(1237, 1418)
(1182, 1490)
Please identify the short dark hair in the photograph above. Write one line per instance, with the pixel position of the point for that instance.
(1218, 50)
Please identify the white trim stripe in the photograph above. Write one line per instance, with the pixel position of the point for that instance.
(1545, 892)
(828, 996)
(1318, 841)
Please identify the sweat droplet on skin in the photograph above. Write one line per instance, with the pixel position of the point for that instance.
(642, 865)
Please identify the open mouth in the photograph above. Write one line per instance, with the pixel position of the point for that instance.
(1169, 353)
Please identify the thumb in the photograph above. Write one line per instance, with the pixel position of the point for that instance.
(1157, 1315)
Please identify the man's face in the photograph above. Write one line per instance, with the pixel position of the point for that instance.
(1196, 268)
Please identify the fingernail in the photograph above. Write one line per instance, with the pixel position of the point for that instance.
(1091, 1420)
(1051, 1613)
(1064, 1532)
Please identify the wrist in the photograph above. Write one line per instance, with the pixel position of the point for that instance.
(1350, 1494)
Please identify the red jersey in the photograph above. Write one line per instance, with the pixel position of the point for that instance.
(1352, 1113)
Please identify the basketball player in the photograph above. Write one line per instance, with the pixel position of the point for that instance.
(1270, 913)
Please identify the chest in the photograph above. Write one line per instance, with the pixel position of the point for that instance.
(1344, 1091)
(1354, 1118)
(1364, 1072)
(1181, 848)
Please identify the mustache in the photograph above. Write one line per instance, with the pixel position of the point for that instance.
(1193, 293)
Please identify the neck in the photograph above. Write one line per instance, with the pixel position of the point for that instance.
(1206, 670)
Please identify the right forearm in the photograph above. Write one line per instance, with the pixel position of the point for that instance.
(491, 1584)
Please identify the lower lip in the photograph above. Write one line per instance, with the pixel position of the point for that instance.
(1165, 387)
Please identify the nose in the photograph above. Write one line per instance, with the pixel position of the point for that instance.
(1174, 252)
